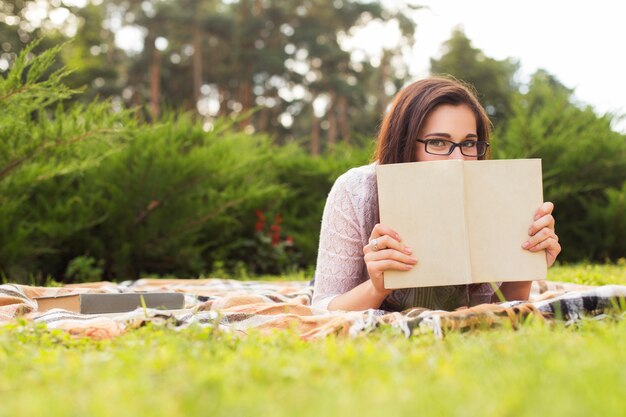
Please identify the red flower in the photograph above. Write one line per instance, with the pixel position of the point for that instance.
(275, 233)
(275, 230)
(260, 224)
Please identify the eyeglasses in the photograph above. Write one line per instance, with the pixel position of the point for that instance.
(474, 148)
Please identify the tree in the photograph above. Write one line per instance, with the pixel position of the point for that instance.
(268, 60)
(270, 56)
(95, 62)
(493, 80)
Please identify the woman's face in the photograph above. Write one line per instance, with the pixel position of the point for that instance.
(455, 123)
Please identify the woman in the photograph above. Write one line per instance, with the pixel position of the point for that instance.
(431, 119)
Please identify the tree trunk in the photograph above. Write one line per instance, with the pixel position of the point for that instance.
(245, 97)
(155, 81)
(197, 64)
(314, 144)
(384, 76)
(315, 131)
(224, 96)
(332, 121)
(264, 119)
(344, 125)
(258, 7)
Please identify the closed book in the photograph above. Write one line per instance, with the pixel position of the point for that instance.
(112, 303)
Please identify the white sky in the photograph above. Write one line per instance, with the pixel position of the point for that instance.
(580, 42)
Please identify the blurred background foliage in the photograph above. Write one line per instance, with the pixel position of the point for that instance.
(208, 145)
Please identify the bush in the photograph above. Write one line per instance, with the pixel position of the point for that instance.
(308, 180)
(584, 166)
(84, 269)
(610, 224)
(281, 235)
(89, 193)
(43, 144)
(166, 199)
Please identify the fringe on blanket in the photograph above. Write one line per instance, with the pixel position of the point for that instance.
(239, 306)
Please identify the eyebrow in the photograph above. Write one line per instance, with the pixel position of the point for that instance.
(447, 135)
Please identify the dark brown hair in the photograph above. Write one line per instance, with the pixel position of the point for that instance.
(396, 139)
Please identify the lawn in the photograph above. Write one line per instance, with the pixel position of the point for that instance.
(155, 371)
(590, 274)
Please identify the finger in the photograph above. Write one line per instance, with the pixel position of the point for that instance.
(550, 244)
(388, 264)
(538, 237)
(545, 208)
(554, 249)
(389, 254)
(552, 252)
(381, 230)
(386, 242)
(545, 221)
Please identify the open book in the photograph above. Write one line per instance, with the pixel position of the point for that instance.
(464, 220)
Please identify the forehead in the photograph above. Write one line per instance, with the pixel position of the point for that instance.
(455, 120)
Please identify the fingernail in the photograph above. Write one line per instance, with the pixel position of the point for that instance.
(407, 267)
(398, 237)
(525, 245)
(414, 260)
(407, 250)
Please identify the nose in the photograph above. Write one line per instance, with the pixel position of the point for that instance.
(456, 154)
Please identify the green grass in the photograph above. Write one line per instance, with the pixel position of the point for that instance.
(160, 372)
(590, 274)
(581, 273)
(155, 371)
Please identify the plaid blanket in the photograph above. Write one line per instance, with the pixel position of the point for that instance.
(238, 306)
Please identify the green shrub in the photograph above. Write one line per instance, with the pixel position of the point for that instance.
(164, 199)
(584, 166)
(281, 235)
(308, 181)
(609, 220)
(171, 198)
(43, 144)
(176, 198)
(84, 269)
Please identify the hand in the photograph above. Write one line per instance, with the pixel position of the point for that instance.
(542, 235)
(386, 253)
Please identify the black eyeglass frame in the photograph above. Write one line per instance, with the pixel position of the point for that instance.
(455, 145)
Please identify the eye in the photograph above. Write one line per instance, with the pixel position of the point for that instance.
(468, 144)
(438, 143)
